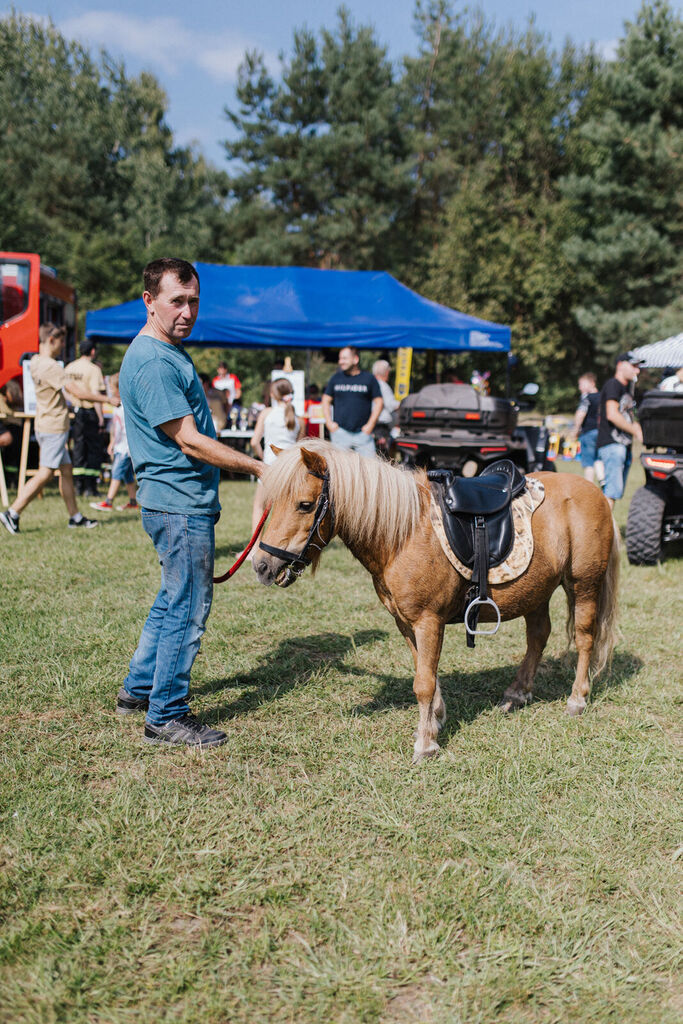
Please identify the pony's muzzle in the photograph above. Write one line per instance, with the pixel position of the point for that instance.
(273, 571)
(264, 570)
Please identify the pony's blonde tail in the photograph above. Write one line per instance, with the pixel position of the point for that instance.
(606, 615)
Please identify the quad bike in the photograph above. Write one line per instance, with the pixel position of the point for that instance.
(655, 515)
(452, 426)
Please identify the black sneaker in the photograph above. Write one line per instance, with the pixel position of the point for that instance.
(9, 521)
(128, 705)
(83, 522)
(187, 730)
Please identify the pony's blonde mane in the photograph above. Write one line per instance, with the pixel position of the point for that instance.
(374, 501)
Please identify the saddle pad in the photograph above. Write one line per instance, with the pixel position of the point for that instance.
(523, 507)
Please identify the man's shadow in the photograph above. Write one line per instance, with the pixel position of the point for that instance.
(467, 694)
(288, 666)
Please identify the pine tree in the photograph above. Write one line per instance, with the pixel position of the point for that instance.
(626, 192)
(323, 176)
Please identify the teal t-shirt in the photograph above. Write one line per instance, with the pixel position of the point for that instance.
(158, 383)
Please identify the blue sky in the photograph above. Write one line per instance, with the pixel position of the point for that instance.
(194, 48)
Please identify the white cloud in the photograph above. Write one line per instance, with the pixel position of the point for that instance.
(162, 42)
(607, 48)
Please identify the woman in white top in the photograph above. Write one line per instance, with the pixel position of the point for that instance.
(276, 425)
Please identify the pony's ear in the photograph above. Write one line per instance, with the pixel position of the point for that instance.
(275, 450)
(313, 462)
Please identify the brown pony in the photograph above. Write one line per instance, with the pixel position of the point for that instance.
(381, 512)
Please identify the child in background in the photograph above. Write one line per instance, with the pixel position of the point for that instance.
(276, 425)
(122, 466)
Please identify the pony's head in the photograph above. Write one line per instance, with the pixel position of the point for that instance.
(316, 490)
(301, 522)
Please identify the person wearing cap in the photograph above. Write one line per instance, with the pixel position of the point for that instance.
(617, 427)
(88, 420)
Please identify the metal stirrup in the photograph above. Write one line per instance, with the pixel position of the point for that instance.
(475, 604)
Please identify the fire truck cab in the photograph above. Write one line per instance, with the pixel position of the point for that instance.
(31, 294)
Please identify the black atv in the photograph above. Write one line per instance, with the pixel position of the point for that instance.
(452, 426)
(655, 515)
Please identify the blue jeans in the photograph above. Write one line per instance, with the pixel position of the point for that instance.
(169, 643)
(588, 447)
(359, 442)
(616, 458)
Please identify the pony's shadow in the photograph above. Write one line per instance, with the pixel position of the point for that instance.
(467, 694)
(470, 694)
(286, 667)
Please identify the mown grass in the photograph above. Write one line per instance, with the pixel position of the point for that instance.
(305, 872)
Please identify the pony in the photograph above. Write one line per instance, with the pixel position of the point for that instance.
(381, 512)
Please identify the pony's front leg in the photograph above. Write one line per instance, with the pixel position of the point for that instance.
(428, 642)
(438, 703)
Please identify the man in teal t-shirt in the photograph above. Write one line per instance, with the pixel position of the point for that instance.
(177, 461)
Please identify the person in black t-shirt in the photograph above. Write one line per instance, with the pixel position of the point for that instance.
(357, 400)
(617, 426)
(586, 422)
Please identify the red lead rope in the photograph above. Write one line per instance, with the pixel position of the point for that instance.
(235, 567)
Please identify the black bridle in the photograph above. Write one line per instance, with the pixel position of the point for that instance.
(297, 561)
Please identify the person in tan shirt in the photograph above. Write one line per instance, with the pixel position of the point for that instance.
(88, 420)
(52, 430)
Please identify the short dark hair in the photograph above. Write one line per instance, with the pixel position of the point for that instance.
(155, 270)
(86, 347)
(49, 330)
(352, 349)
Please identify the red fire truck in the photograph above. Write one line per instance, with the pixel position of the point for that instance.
(31, 294)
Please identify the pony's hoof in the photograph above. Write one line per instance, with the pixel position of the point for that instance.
(575, 707)
(513, 702)
(433, 750)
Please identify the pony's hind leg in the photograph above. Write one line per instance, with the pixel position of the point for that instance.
(585, 611)
(537, 633)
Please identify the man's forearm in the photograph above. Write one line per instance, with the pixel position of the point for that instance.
(206, 449)
(621, 423)
(89, 396)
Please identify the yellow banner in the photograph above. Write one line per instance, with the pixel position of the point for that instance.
(404, 359)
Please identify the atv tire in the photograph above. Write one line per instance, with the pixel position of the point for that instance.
(644, 527)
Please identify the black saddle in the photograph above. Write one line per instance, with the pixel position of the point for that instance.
(477, 518)
(465, 499)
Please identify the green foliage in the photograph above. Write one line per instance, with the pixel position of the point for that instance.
(498, 250)
(323, 179)
(90, 177)
(536, 188)
(626, 188)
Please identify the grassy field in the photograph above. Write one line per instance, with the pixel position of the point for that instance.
(305, 872)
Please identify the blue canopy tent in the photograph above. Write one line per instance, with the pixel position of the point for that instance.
(299, 307)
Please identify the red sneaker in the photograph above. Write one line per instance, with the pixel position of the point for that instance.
(130, 506)
(102, 506)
